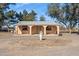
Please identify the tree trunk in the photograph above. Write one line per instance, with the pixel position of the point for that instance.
(70, 30)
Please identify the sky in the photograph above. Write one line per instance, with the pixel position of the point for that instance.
(40, 8)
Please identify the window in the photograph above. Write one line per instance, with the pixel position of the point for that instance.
(24, 28)
(48, 28)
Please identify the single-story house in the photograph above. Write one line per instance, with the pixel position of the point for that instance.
(34, 27)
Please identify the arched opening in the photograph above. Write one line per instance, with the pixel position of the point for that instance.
(25, 29)
(50, 29)
(37, 28)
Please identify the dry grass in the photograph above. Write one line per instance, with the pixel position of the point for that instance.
(58, 42)
(68, 44)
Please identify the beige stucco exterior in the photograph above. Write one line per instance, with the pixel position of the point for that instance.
(35, 29)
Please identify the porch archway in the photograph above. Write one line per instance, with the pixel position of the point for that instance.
(50, 29)
(37, 28)
(25, 29)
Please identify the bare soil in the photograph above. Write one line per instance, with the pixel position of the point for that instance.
(66, 45)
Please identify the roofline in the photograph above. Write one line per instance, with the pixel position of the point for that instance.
(37, 23)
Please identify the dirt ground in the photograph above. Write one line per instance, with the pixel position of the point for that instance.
(66, 45)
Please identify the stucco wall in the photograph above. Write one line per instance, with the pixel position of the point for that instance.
(37, 29)
(52, 31)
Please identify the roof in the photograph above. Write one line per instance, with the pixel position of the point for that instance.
(36, 23)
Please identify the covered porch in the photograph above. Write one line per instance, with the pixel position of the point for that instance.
(35, 29)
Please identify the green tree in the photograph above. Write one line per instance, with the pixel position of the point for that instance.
(3, 7)
(19, 16)
(10, 14)
(42, 18)
(66, 14)
(24, 15)
(25, 12)
(29, 16)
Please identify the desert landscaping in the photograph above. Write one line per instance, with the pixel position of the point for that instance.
(39, 29)
(11, 44)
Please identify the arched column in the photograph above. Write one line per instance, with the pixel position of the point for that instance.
(19, 30)
(16, 30)
(30, 30)
(44, 30)
(57, 29)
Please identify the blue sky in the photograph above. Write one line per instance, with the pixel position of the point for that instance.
(40, 8)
